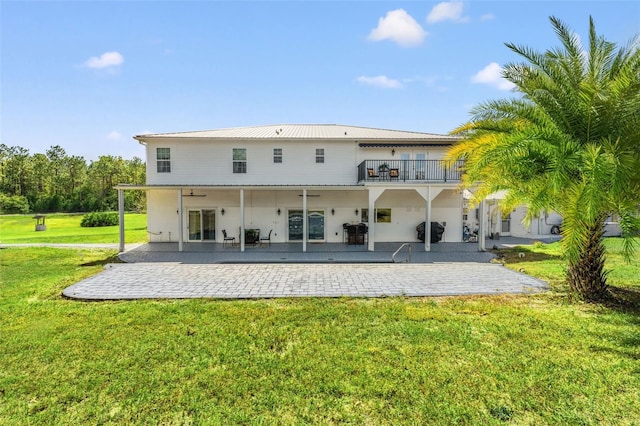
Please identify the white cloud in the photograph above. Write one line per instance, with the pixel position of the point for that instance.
(114, 136)
(447, 11)
(400, 27)
(487, 17)
(106, 60)
(380, 81)
(492, 76)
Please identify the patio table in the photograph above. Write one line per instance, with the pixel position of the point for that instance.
(251, 236)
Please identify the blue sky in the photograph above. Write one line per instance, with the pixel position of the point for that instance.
(88, 75)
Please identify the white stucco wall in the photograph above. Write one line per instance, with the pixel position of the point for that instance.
(261, 206)
(540, 225)
(162, 216)
(196, 162)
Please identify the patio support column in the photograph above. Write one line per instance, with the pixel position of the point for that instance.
(242, 220)
(374, 194)
(428, 194)
(180, 224)
(121, 218)
(304, 220)
(482, 224)
(427, 221)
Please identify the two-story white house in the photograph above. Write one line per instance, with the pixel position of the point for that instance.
(300, 183)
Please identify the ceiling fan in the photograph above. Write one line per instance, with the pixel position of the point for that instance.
(191, 194)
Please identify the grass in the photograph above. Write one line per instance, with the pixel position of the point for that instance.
(538, 359)
(545, 261)
(65, 228)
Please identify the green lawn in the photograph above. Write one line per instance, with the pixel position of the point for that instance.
(544, 261)
(538, 359)
(65, 228)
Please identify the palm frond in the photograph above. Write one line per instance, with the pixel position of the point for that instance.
(570, 142)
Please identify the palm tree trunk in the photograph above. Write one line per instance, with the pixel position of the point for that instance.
(587, 276)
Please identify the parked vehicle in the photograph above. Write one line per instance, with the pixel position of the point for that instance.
(436, 231)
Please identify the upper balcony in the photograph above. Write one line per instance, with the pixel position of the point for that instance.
(413, 171)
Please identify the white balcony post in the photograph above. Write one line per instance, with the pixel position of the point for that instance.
(371, 226)
(374, 194)
(180, 222)
(427, 221)
(304, 220)
(121, 218)
(482, 224)
(242, 220)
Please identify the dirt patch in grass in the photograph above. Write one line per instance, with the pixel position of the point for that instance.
(624, 299)
(105, 261)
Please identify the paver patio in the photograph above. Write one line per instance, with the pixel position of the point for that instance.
(207, 271)
(179, 281)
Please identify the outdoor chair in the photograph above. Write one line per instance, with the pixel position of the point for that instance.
(372, 174)
(394, 174)
(265, 239)
(226, 238)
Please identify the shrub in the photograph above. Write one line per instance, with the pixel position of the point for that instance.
(13, 204)
(99, 219)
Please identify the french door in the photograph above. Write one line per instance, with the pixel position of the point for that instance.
(413, 166)
(202, 225)
(315, 225)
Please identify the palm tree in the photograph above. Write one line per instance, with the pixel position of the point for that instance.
(570, 142)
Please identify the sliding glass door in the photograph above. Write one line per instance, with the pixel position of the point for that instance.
(315, 225)
(202, 225)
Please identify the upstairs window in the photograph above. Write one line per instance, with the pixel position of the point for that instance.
(163, 157)
(239, 160)
(277, 155)
(319, 155)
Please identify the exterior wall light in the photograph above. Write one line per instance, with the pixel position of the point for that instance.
(279, 211)
(357, 211)
(333, 212)
(222, 211)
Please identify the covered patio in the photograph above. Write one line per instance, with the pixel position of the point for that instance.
(231, 211)
(202, 253)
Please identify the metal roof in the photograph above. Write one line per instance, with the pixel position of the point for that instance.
(305, 131)
(420, 144)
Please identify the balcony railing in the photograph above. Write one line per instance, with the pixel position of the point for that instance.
(410, 171)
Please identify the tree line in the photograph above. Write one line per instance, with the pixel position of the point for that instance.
(58, 182)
